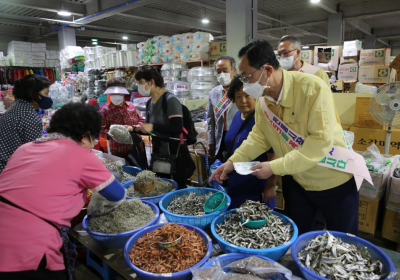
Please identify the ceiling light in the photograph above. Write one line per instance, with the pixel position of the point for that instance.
(306, 46)
(64, 13)
(315, 1)
(125, 37)
(205, 20)
(94, 42)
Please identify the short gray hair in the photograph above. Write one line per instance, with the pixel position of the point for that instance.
(294, 41)
(223, 57)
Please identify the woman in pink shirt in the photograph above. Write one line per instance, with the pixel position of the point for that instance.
(44, 186)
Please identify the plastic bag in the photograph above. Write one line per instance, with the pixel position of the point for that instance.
(214, 272)
(116, 170)
(349, 136)
(100, 206)
(374, 160)
(120, 134)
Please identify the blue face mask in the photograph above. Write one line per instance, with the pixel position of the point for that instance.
(46, 102)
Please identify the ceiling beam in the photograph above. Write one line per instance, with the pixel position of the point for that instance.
(326, 6)
(108, 35)
(47, 5)
(297, 25)
(174, 19)
(124, 6)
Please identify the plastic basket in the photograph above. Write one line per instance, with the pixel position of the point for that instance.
(199, 221)
(273, 253)
(153, 199)
(118, 240)
(376, 253)
(131, 170)
(182, 275)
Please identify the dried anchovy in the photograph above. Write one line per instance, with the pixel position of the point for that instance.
(130, 215)
(145, 176)
(120, 134)
(162, 187)
(274, 233)
(189, 204)
(253, 210)
(332, 258)
(113, 167)
(127, 177)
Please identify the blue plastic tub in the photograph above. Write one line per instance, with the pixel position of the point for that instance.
(198, 221)
(376, 253)
(118, 240)
(182, 275)
(232, 257)
(154, 199)
(131, 170)
(273, 253)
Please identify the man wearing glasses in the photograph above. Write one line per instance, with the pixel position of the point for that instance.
(295, 115)
(289, 58)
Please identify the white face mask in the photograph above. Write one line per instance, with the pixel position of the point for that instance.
(255, 90)
(116, 99)
(224, 79)
(288, 62)
(143, 91)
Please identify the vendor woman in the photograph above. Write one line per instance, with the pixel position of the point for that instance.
(43, 187)
(119, 112)
(242, 123)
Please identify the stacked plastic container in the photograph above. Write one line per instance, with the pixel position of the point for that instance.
(180, 89)
(172, 71)
(203, 80)
(96, 85)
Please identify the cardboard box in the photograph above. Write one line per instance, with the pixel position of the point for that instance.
(368, 211)
(375, 57)
(327, 57)
(350, 52)
(364, 137)
(307, 56)
(362, 115)
(395, 64)
(391, 226)
(373, 74)
(350, 86)
(348, 72)
(217, 49)
(349, 60)
(346, 126)
(279, 200)
(357, 44)
(339, 85)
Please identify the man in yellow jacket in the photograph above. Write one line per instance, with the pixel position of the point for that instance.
(302, 104)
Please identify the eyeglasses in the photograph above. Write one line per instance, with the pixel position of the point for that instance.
(285, 53)
(246, 80)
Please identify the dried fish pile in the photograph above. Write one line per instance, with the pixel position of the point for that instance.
(254, 211)
(188, 204)
(145, 176)
(332, 258)
(130, 215)
(274, 233)
(127, 177)
(149, 256)
(113, 167)
(120, 134)
(162, 187)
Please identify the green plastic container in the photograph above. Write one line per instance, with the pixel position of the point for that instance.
(253, 224)
(215, 202)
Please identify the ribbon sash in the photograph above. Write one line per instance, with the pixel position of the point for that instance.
(339, 158)
(221, 107)
(309, 69)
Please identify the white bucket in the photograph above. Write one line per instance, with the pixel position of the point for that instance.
(199, 56)
(131, 58)
(201, 47)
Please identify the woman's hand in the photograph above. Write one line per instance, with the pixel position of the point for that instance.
(128, 127)
(145, 128)
(264, 170)
(222, 171)
(269, 192)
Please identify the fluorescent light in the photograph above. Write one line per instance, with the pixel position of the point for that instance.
(64, 13)
(306, 46)
(94, 42)
(205, 20)
(315, 1)
(125, 37)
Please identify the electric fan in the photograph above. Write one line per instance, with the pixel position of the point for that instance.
(385, 108)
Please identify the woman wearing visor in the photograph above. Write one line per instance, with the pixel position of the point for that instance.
(119, 112)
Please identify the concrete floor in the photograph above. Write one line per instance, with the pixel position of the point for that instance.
(83, 272)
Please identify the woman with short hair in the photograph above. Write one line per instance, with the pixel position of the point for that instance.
(21, 123)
